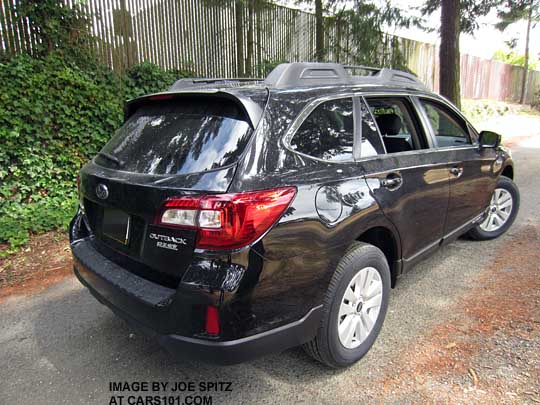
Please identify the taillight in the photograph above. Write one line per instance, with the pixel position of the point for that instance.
(227, 221)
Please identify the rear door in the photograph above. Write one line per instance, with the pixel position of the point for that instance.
(471, 180)
(410, 182)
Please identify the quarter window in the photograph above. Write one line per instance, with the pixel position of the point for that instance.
(449, 129)
(328, 132)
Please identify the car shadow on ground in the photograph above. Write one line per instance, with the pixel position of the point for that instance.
(77, 336)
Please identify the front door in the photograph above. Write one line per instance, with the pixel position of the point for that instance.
(470, 168)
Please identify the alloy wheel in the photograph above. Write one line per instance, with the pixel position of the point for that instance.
(499, 210)
(360, 307)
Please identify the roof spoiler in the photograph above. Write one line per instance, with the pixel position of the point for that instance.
(252, 110)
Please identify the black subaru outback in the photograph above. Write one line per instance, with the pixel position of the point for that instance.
(231, 218)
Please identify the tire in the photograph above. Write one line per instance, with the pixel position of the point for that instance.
(361, 260)
(506, 188)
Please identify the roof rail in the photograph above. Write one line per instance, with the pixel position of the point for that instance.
(200, 82)
(288, 75)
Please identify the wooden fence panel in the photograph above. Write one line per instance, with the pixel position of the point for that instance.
(201, 36)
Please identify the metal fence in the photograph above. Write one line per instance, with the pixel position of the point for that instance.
(225, 38)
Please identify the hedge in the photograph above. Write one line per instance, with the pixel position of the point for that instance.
(54, 116)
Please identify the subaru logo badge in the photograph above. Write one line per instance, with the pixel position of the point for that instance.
(102, 191)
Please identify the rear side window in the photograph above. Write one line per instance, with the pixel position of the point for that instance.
(328, 132)
(397, 124)
(180, 137)
(449, 129)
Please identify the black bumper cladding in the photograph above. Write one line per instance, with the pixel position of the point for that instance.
(136, 300)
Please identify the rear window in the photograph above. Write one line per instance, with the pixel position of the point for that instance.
(180, 137)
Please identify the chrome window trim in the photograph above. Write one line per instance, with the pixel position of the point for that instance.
(358, 93)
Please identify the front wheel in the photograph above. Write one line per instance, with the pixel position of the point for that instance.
(501, 213)
(354, 307)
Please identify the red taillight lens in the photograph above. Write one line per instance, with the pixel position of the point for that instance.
(228, 221)
(212, 320)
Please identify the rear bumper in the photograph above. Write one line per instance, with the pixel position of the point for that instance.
(149, 307)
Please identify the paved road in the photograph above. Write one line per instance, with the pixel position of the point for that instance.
(61, 346)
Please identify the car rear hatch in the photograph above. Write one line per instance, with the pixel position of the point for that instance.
(171, 145)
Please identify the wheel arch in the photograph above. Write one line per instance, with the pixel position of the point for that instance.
(508, 171)
(385, 239)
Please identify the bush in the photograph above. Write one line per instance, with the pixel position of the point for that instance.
(54, 116)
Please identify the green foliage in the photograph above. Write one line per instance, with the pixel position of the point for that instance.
(54, 116)
(513, 58)
(59, 27)
(470, 12)
(264, 68)
(512, 11)
(478, 111)
(358, 28)
(146, 78)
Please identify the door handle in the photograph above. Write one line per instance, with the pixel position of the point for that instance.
(456, 171)
(392, 182)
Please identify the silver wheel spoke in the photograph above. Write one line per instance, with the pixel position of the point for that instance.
(346, 309)
(368, 281)
(359, 284)
(345, 326)
(367, 320)
(361, 333)
(347, 329)
(504, 198)
(506, 204)
(373, 302)
(350, 295)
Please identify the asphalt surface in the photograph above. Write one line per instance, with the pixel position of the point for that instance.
(62, 346)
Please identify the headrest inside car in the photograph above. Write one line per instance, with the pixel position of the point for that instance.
(389, 124)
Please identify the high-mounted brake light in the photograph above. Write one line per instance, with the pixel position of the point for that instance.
(227, 221)
(161, 97)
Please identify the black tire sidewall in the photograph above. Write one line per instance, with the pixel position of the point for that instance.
(370, 257)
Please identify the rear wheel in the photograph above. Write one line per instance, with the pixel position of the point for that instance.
(501, 213)
(354, 308)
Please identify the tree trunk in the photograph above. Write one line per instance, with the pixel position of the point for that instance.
(250, 42)
(319, 31)
(239, 23)
(526, 62)
(449, 51)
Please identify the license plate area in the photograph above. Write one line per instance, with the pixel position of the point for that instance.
(116, 225)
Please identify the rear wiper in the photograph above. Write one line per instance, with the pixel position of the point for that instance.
(111, 158)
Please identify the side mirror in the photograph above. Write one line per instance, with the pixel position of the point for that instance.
(489, 139)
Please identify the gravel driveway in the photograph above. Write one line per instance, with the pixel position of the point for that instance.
(462, 326)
